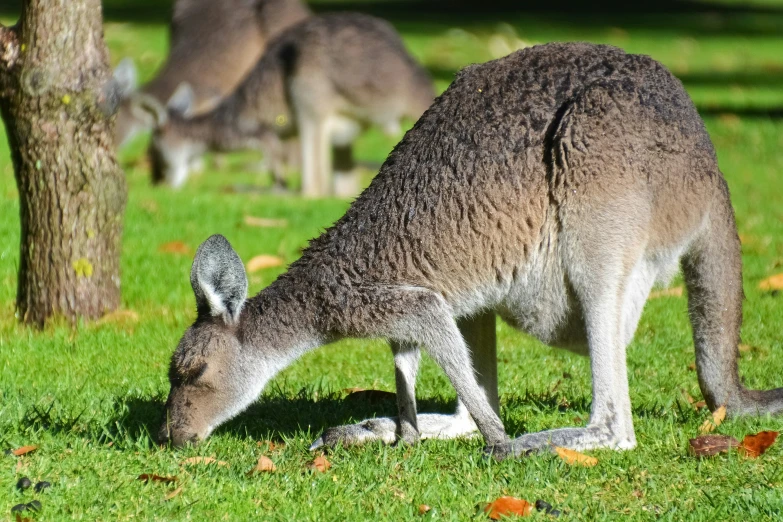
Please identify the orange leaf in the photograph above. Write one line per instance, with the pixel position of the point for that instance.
(505, 506)
(175, 247)
(574, 457)
(710, 445)
(253, 221)
(319, 464)
(265, 465)
(151, 477)
(24, 450)
(263, 261)
(667, 292)
(273, 446)
(423, 508)
(173, 494)
(774, 282)
(710, 424)
(755, 445)
(204, 460)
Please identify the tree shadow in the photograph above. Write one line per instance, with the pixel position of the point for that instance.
(691, 15)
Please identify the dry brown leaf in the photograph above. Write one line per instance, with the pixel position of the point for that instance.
(173, 494)
(709, 445)
(755, 445)
(152, 477)
(505, 506)
(175, 247)
(122, 317)
(667, 292)
(710, 424)
(423, 509)
(273, 446)
(264, 465)
(24, 450)
(574, 457)
(774, 282)
(700, 404)
(204, 460)
(319, 464)
(253, 221)
(263, 261)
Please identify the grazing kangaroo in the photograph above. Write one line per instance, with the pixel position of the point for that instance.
(554, 187)
(322, 80)
(214, 44)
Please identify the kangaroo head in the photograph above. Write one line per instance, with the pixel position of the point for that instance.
(171, 151)
(210, 374)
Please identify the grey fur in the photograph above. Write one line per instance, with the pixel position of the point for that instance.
(555, 187)
(213, 46)
(323, 80)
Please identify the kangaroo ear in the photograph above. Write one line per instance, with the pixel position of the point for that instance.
(125, 77)
(149, 110)
(218, 279)
(182, 101)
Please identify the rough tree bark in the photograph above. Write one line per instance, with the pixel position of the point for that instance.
(56, 100)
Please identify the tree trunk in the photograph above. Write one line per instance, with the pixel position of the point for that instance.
(56, 100)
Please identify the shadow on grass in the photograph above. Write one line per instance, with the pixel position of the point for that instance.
(737, 19)
(134, 421)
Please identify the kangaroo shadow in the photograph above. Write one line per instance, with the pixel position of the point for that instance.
(136, 420)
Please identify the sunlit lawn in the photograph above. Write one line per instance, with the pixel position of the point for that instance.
(89, 396)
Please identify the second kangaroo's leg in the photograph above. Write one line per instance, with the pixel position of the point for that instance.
(315, 156)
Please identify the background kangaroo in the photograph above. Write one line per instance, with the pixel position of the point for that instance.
(322, 80)
(213, 46)
(555, 187)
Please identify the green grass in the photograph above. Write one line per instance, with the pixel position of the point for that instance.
(89, 396)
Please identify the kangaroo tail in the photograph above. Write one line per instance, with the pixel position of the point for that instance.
(713, 274)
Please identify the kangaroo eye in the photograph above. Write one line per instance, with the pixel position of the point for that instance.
(196, 373)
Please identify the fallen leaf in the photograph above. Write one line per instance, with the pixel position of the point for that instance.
(699, 405)
(505, 506)
(263, 261)
(319, 464)
(151, 477)
(173, 494)
(360, 394)
(253, 221)
(24, 450)
(774, 282)
(273, 446)
(710, 424)
(667, 292)
(574, 457)
(264, 465)
(709, 445)
(755, 445)
(204, 460)
(423, 509)
(175, 247)
(120, 317)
